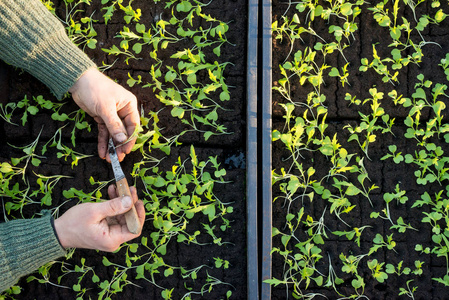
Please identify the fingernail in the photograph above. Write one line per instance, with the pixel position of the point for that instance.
(120, 137)
(126, 202)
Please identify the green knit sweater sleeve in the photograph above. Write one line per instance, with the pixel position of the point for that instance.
(33, 39)
(25, 245)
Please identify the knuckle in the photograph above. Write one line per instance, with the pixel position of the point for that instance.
(114, 207)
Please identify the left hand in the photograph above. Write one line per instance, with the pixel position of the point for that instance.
(113, 107)
(99, 226)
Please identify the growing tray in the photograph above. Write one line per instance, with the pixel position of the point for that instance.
(239, 277)
(415, 81)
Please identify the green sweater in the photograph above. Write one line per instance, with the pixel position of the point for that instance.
(25, 245)
(33, 39)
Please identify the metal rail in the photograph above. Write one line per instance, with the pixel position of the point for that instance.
(252, 152)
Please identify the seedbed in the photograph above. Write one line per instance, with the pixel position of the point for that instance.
(188, 167)
(359, 150)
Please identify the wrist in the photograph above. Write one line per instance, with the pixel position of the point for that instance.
(85, 77)
(60, 233)
(52, 221)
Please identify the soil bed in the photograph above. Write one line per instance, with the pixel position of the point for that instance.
(229, 148)
(382, 173)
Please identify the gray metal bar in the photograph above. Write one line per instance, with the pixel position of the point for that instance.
(251, 153)
(266, 149)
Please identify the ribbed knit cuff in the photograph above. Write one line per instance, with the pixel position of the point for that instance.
(58, 63)
(25, 245)
(33, 39)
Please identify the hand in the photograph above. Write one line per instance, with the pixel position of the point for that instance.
(112, 107)
(99, 226)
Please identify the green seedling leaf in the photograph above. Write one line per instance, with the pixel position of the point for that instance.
(358, 282)
(210, 212)
(35, 161)
(5, 168)
(106, 262)
(140, 28)
(168, 272)
(217, 51)
(440, 16)
(346, 9)
(395, 33)
(137, 48)
(273, 281)
(334, 72)
(91, 43)
(207, 135)
(184, 6)
(220, 173)
(33, 110)
(170, 76)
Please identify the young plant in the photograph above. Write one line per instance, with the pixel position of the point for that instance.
(409, 292)
(369, 124)
(355, 232)
(380, 242)
(400, 197)
(29, 157)
(378, 64)
(377, 270)
(343, 76)
(398, 270)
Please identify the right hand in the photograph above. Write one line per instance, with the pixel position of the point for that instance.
(112, 106)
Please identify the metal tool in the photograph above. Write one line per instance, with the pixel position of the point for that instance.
(132, 219)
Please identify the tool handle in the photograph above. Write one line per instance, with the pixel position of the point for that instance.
(132, 219)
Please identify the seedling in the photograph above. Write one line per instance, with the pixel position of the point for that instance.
(396, 156)
(380, 242)
(445, 65)
(343, 76)
(340, 202)
(7, 111)
(221, 263)
(398, 270)
(355, 232)
(46, 185)
(350, 263)
(64, 151)
(400, 197)
(376, 270)
(368, 125)
(332, 279)
(29, 157)
(79, 29)
(379, 65)
(409, 292)
(83, 270)
(44, 275)
(418, 271)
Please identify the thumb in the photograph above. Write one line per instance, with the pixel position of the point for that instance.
(116, 206)
(115, 127)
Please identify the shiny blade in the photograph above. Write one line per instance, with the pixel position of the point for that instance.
(118, 172)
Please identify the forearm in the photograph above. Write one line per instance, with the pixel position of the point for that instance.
(33, 39)
(25, 245)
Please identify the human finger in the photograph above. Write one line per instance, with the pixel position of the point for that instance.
(103, 136)
(112, 191)
(114, 207)
(131, 120)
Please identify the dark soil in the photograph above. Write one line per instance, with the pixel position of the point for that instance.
(15, 84)
(383, 173)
